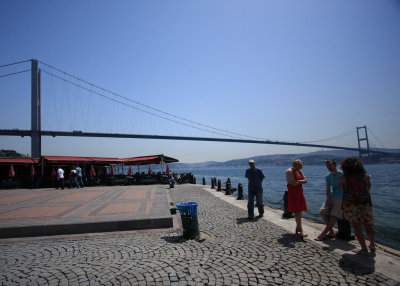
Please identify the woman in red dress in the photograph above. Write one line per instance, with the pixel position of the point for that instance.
(296, 201)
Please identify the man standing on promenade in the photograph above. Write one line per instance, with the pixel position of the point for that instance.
(79, 175)
(331, 210)
(255, 177)
(60, 178)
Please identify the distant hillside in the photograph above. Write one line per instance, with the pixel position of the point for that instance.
(312, 158)
(11, 154)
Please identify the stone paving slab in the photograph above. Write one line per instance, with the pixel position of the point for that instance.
(33, 212)
(236, 252)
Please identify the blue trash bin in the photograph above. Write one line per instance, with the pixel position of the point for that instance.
(190, 223)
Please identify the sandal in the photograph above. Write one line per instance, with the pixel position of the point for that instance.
(320, 238)
(331, 236)
(360, 251)
(303, 234)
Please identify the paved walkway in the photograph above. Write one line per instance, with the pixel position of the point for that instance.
(33, 212)
(235, 252)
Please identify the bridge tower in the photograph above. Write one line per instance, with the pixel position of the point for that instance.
(36, 139)
(363, 149)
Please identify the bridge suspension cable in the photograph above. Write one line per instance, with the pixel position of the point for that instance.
(14, 73)
(154, 109)
(11, 64)
(370, 131)
(341, 135)
(130, 106)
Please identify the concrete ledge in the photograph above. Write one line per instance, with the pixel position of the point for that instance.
(90, 227)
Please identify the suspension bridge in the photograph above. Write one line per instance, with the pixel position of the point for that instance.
(36, 132)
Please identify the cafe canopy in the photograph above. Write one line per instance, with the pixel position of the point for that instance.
(71, 160)
(18, 161)
(155, 159)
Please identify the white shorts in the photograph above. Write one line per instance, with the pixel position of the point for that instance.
(336, 210)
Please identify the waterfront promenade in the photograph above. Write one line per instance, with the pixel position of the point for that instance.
(235, 251)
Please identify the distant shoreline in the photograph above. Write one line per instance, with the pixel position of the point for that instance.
(312, 159)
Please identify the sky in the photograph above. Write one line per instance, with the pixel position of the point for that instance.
(296, 71)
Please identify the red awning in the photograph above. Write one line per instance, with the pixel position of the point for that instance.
(107, 160)
(18, 160)
(156, 159)
(66, 159)
(74, 160)
(144, 160)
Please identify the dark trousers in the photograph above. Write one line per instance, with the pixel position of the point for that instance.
(73, 182)
(80, 181)
(257, 194)
(60, 183)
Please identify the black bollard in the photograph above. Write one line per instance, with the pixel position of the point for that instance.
(219, 186)
(286, 213)
(228, 188)
(204, 181)
(212, 183)
(240, 192)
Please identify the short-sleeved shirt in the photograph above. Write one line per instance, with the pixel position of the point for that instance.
(255, 179)
(79, 171)
(60, 173)
(334, 183)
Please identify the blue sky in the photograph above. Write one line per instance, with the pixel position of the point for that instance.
(294, 71)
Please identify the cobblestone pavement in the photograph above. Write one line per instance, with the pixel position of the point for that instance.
(236, 252)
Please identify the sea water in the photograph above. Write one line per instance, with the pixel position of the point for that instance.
(385, 193)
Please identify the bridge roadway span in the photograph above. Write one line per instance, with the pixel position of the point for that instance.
(235, 251)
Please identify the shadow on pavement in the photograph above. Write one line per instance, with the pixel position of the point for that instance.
(338, 244)
(289, 239)
(358, 264)
(242, 220)
(174, 239)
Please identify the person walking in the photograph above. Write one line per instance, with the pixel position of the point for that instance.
(331, 209)
(79, 176)
(255, 177)
(171, 180)
(357, 206)
(296, 201)
(60, 178)
(73, 178)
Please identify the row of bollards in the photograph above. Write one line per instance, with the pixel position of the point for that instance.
(228, 187)
(229, 191)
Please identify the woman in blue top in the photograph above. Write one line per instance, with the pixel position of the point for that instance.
(332, 206)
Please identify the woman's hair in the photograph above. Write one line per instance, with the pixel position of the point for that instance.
(331, 161)
(297, 164)
(352, 166)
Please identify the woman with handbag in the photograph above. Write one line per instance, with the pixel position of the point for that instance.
(357, 205)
